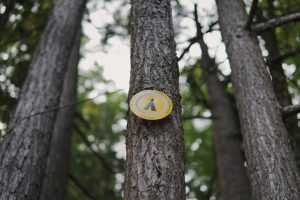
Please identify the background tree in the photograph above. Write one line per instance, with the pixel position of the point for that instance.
(226, 127)
(57, 170)
(24, 148)
(98, 142)
(270, 161)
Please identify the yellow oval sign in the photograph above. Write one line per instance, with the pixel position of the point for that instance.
(151, 105)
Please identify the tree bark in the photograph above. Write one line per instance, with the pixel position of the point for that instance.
(230, 160)
(280, 83)
(24, 150)
(155, 149)
(271, 165)
(57, 170)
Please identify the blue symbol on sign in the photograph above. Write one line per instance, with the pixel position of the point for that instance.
(150, 105)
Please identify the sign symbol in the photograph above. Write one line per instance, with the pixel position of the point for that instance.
(150, 105)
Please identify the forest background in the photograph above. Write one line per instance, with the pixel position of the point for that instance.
(97, 162)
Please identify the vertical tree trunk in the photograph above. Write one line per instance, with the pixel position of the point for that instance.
(230, 161)
(270, 161)
(9, 5)
(57, 170)
(279, 81)
(155, 149)
(24, 150)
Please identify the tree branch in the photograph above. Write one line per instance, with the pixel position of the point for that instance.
(251, 14)
(275, 22)
(289, 111)
(57, 108)
(192, 42)
(211, 27)
(81, 187)
(195, 117)
(101, 159)
(283, 56)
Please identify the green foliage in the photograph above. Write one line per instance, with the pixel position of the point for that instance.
(102, 120)
(17, 44)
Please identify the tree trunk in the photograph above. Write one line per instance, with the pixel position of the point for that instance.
(24, 150)
(56, 177)
(271, 165)
(230, 160)
(155, 149)
(279, 81)
(9, 5)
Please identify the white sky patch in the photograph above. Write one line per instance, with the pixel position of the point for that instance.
(116, 63)
(120, 148)
(200, 124)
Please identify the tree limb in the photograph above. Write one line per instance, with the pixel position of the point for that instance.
(275, 22)
(195, 117)
(289, 111)
(251, 14)
(101, 159)
(192, 42)
(283, 56)
(81, 187)
(57, 108)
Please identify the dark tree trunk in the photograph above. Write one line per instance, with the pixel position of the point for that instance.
(24, 150)
(56, 177)
(270, 161)
(9, 4)
(230, 160)
(279, 81)
(155, 149)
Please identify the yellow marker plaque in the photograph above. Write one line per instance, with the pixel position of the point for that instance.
(151, 105)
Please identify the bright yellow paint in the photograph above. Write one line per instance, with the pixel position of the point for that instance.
(141, 104)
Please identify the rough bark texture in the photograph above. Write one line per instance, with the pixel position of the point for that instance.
(55, 181)
(280, 83)
(155, 149)
(271, 165)
(24, 150)
(230, 160)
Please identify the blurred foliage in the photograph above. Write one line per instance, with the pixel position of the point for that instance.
(102, 120)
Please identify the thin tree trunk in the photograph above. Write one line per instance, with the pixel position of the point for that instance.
(279, 81)
(24, 150)
(9, 5)
(155, 149)
(55, 181)
(230, 160)
(270, 161)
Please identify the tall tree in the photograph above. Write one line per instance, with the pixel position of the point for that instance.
(55, 181)
(155, 149)
(279, 79)
(24, 150)
(226, 129)
(271, 165)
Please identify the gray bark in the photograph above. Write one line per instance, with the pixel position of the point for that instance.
(155, 149)
(24, 149)
(56, 177)
(230, 160)
(280, 83)
(271, 165)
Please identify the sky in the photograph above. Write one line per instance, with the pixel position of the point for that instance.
(115, 59)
